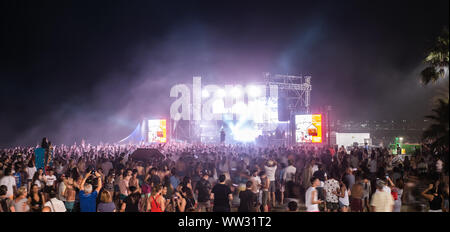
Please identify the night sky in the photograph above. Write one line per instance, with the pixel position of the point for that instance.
(94, 69)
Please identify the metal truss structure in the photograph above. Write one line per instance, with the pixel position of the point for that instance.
(296, 89)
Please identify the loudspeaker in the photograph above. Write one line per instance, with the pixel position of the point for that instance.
(283, 110)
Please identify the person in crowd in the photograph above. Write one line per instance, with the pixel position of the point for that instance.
(106, 202)
(203, 190)
(398, 199)
(292, 206)
(445, 195)
(134, 181)
(124, 185)
(332, 193)
(62, 187)
(50, 182)
(382, 201)
(281, 182)
(434, 197)
(311, 196)
(36, 199)
(9, 181)
(270, 168)
(38, 179)
(367, 192)
(248, 199)
(186, 162)
(54, 203)
(344, 199)
(222, 195)
(156, 200)
(131, 202)
(356, 198)
(188, 199)
(21, 201)
(349, 178)
(289, 177)
(265, 183)
(6, 204)
(30, 170)
(87, 196)
(70, 193)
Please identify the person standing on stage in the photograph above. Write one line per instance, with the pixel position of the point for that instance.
(222, 136)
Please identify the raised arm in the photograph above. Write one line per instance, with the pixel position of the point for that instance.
(429, 197)
(84, 181)
(99, 182)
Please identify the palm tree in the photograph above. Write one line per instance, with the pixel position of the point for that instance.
(437, 60)
(438, 132)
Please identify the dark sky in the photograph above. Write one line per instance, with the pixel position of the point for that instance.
(94, 69)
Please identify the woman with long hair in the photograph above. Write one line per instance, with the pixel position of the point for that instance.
(35, 199)
(186, 193)
(30, 170)
(344, 201)
(106, 202)
(21, 201)
(38, 179)
(156, 202)
(131, 202)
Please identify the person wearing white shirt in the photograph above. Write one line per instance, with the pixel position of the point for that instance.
(62, 188)
(31, 169)
(311, 196)
(385, 187)
(54, 204)
(271, 168)
(10, 182)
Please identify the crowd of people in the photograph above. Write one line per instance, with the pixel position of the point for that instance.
(220, 178)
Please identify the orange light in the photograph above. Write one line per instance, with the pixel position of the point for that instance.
(317, 122)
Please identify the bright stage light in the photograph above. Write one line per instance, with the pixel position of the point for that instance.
(205, 93)
(236, 92)
(218, 107)
(245, 134)
(239, 108)
(254, 91)
(221, 93)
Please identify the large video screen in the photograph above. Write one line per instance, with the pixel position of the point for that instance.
(157, 131)
(308, 128)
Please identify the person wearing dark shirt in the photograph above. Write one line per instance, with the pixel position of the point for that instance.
(203, 189)
(435, 199)
(155, 180)
(222, 136)
(222, 196)
(321, 175)
(131, 202)
(248, 199)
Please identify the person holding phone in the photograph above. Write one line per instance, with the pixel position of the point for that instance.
(87, 196)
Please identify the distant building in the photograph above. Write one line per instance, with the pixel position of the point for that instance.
(383, 131)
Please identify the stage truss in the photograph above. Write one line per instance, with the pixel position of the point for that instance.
(295, 89)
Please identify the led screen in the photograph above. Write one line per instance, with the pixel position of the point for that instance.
(308, 128)
(157, 131)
